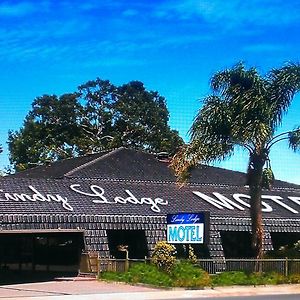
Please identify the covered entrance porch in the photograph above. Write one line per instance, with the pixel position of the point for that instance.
(27, 255)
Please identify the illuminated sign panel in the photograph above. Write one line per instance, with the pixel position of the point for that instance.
(187, 228)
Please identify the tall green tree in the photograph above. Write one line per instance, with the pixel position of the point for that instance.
(140, 120)
(50, 132)
(126, 115)
(96, 119)
(99, 116)
(245, 109)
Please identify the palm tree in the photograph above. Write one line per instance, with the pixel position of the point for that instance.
(245, 109)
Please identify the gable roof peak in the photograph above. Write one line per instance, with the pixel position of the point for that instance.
(94, 161)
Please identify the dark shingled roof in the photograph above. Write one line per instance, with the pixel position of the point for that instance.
(124, 181)
(130, 164)
(108, 197)
(57, 169)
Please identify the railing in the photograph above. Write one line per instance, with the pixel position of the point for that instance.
(118, 265)
(283, 266)
(212, 266)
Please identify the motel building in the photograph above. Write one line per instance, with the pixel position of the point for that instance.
(52, 213)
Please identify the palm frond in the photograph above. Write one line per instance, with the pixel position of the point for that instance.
(294, 139)
(195, 153)
(231, 81)
(283, 84)
(244, 109)
(213, 121)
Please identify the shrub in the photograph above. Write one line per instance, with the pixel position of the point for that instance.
(163, 256)
(275, 278)
(140, 273)
(192, 256)
(149, 274)
(294, 278)
(114, 276)
(241, 278)
(266, 278)
(230, 278)
(185, 274)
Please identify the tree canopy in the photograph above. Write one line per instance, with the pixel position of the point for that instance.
(245, 109)
(99, 116)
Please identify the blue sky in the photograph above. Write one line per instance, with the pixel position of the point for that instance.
(174, 47)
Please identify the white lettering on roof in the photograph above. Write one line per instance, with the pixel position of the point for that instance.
(222, 202)
(100, 198)
(38, 197)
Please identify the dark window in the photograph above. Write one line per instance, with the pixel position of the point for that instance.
(284, 239)
(236, 244)
(200, 250)
(134, 239)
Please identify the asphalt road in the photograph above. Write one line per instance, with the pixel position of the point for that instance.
(264, 297)
(92, 290)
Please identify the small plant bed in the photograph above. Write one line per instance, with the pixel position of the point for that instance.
(183, 274)
(187, 275)
(166, 271)
(242, 278)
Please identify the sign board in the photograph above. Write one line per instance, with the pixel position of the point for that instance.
(188, 228)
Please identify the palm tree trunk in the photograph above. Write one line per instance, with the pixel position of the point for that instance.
(255, 185)
(256, 221)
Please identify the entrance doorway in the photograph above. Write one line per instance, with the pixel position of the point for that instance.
(134, 239)
(39, 255)
(236, 244)
(285, 244)
(284, 239)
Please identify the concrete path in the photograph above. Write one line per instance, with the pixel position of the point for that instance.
(66, 287)
(92, 290)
